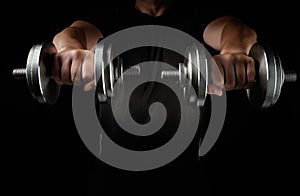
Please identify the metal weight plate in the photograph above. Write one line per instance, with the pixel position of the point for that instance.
(119, 70)
(269, 77)
(202, 75)
(197, 72)
(38, 73)
(111, 75)
(98, 71)
(103, 79)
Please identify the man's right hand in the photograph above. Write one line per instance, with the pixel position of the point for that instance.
(74, 67)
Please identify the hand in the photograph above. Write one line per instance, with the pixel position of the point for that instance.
(74, 66)
(231, 71)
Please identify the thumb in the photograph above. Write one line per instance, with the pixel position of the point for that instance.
(215, 90)
(89, 86)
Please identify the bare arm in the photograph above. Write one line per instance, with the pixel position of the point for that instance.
(229, 34)
(73, 63)
(79, 35)
(233, 39)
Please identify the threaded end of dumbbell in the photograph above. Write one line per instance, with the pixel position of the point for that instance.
(170, 74)
(290, 76)
(19, 73)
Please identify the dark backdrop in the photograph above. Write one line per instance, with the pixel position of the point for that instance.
(42, 152)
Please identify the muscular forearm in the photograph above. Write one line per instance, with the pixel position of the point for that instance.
(73, 63)
(70, 38)
(229, 35)
(79, 35)
(233, 39)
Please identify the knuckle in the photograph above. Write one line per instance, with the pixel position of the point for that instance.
(230, 84)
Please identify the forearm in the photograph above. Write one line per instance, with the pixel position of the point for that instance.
(79, 35)
(73, 63)
(70, 38)
(230, 35)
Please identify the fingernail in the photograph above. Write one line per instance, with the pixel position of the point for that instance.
(218, 92)
(87, 88)
(215, 91)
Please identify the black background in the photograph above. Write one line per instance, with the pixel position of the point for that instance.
(257, 151)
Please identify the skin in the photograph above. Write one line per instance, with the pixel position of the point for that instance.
(233, 39)
(227, 34)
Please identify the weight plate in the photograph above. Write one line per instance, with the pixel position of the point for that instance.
(267, 87)
(100, 60)
(38, 73)
(197, 72)
(202, 76)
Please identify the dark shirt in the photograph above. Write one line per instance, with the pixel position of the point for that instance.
(184, 171)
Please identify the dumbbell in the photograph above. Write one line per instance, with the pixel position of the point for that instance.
(187, 73)
(106, 77)
(269, 79)
(264, 93)
(192, 73)
(270, 76)
(41, 85)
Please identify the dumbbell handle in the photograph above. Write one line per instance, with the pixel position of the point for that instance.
(40, 84)
(290, 76)
(19, 73)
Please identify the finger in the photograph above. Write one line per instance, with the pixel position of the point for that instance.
(240, 70)
(217, 72)
(56, 69)
(76, 72)
(215, 90)
(230, 77)
(65, 71)
(251, 74)
(88, 68)
(89, 86)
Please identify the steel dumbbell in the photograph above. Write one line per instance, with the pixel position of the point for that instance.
(44, 89)
(193, 70)
(270, 76)
(107, 77)
(269, 79)
(263, 94)
(38, 73)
